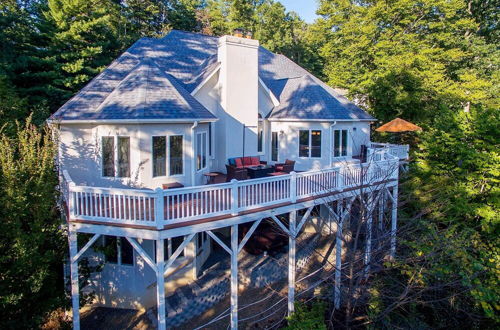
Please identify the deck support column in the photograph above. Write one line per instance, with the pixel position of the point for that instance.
(381, 203)
(234, 277)
(343, 212)
(369, 222)
(75, 294)
(160, 283)
(394, 219)
(292, 262)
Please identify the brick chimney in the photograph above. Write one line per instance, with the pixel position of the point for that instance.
(239, 82)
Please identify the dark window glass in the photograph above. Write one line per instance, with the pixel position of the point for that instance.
(127, 252)
(336, 143)
(159, 155)
(108, 156)
(303, 143)
(123, 157)
(175, 158)
(110, 249)
(260, 136)
(344, 142)
(210, 139)
(274, 146)
(204, 150)
(315, 143)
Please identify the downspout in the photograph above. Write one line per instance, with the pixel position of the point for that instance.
(193, 159)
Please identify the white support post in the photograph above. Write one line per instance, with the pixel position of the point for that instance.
(394, 219)
(234, 277)
(75, 294)
(381, 202)
(160, 283)
(343, 213)
(293, 187)
(369, 222)
(234, 197)
(291, 263)
(159, 208)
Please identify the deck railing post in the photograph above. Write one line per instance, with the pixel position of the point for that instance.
(234, 197)
(293, 186)
(159, 208)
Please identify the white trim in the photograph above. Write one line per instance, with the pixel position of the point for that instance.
(321, 120)
(274, 99)
(131, 121)
(200, 86)
(198, 170)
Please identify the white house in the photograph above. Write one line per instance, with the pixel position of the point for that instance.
(169, 111)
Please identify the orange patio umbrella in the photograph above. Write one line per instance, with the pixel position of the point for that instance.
(398, 125)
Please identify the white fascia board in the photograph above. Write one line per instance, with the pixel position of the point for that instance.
(320, 120)
(217, 68)
(274, 99)
(133, 121)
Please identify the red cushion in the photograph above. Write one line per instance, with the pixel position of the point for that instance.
(238, 162)
(247, 160)
(255, 161)
(279, 168)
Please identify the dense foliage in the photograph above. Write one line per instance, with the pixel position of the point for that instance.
(30, 240)
(433, 62)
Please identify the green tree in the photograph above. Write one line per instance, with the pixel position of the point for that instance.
(404, 59)
(87, 38)
(31, 243)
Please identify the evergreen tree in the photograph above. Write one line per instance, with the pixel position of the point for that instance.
(87, 38)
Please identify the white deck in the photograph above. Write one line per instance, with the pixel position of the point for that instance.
(158, 208)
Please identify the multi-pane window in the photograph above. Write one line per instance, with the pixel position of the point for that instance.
(118, 250)
(340, 143)
(201, 150)
(159, 155)
(123, 157)
(274, 146)
(108, 156)
(116, 161)
(260, 136)
(310, 143)
(175, 155)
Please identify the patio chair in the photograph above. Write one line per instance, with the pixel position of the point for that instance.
(286, 167)
(235, 173)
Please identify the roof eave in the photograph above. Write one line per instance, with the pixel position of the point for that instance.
(130, 121)
(321, 120)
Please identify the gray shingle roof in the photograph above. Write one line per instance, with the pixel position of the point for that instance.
(153, 79)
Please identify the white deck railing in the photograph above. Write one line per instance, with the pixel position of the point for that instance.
(400, 151)
(156, 208)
